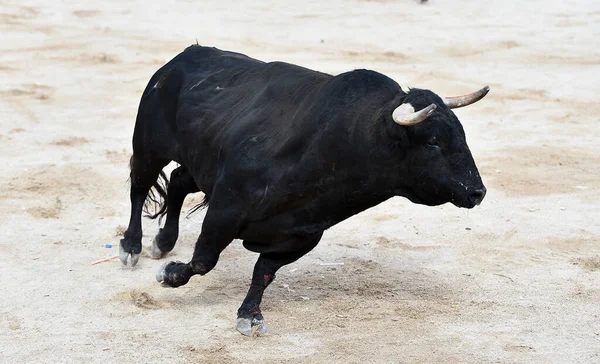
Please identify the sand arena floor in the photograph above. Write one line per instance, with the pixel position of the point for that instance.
(516, 280)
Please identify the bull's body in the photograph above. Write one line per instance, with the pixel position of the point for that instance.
(282, 153)
(266, 129)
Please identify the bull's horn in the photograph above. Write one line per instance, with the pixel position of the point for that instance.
(466, 100)
(405, 114)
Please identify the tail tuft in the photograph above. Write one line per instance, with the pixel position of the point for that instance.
(157, 198)
(198, 207)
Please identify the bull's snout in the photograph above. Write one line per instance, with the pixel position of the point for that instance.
(477, 196)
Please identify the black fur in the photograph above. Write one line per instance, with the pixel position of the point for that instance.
(282, 153)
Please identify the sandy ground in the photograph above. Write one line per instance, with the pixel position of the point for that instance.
(516, 280)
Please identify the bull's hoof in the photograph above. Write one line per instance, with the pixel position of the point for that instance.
(174, 274)
(124, 255)
(163, 243)
(160, 274)
(156, 252)
(252, 327)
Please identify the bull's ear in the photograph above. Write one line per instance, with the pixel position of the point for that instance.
(405, 89)
(406, 115)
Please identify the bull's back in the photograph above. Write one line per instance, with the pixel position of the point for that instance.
(223, 89)
(230, 103)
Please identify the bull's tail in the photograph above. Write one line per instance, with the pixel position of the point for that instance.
(198, 207)
(157, 198)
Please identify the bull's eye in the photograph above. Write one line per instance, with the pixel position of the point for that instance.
(433, 142)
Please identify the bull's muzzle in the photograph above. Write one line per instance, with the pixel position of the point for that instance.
(477, 196)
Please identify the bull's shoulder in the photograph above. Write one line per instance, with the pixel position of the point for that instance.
(364, 79)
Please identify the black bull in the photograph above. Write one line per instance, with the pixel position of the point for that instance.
(282, 153)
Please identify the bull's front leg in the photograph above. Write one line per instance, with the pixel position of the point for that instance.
(250, 320)
(221, 225)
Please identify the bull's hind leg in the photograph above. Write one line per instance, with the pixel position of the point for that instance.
(144, 174)
(250, 321)
(180, 185)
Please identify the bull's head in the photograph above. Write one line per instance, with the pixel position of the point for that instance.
(440, 166)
